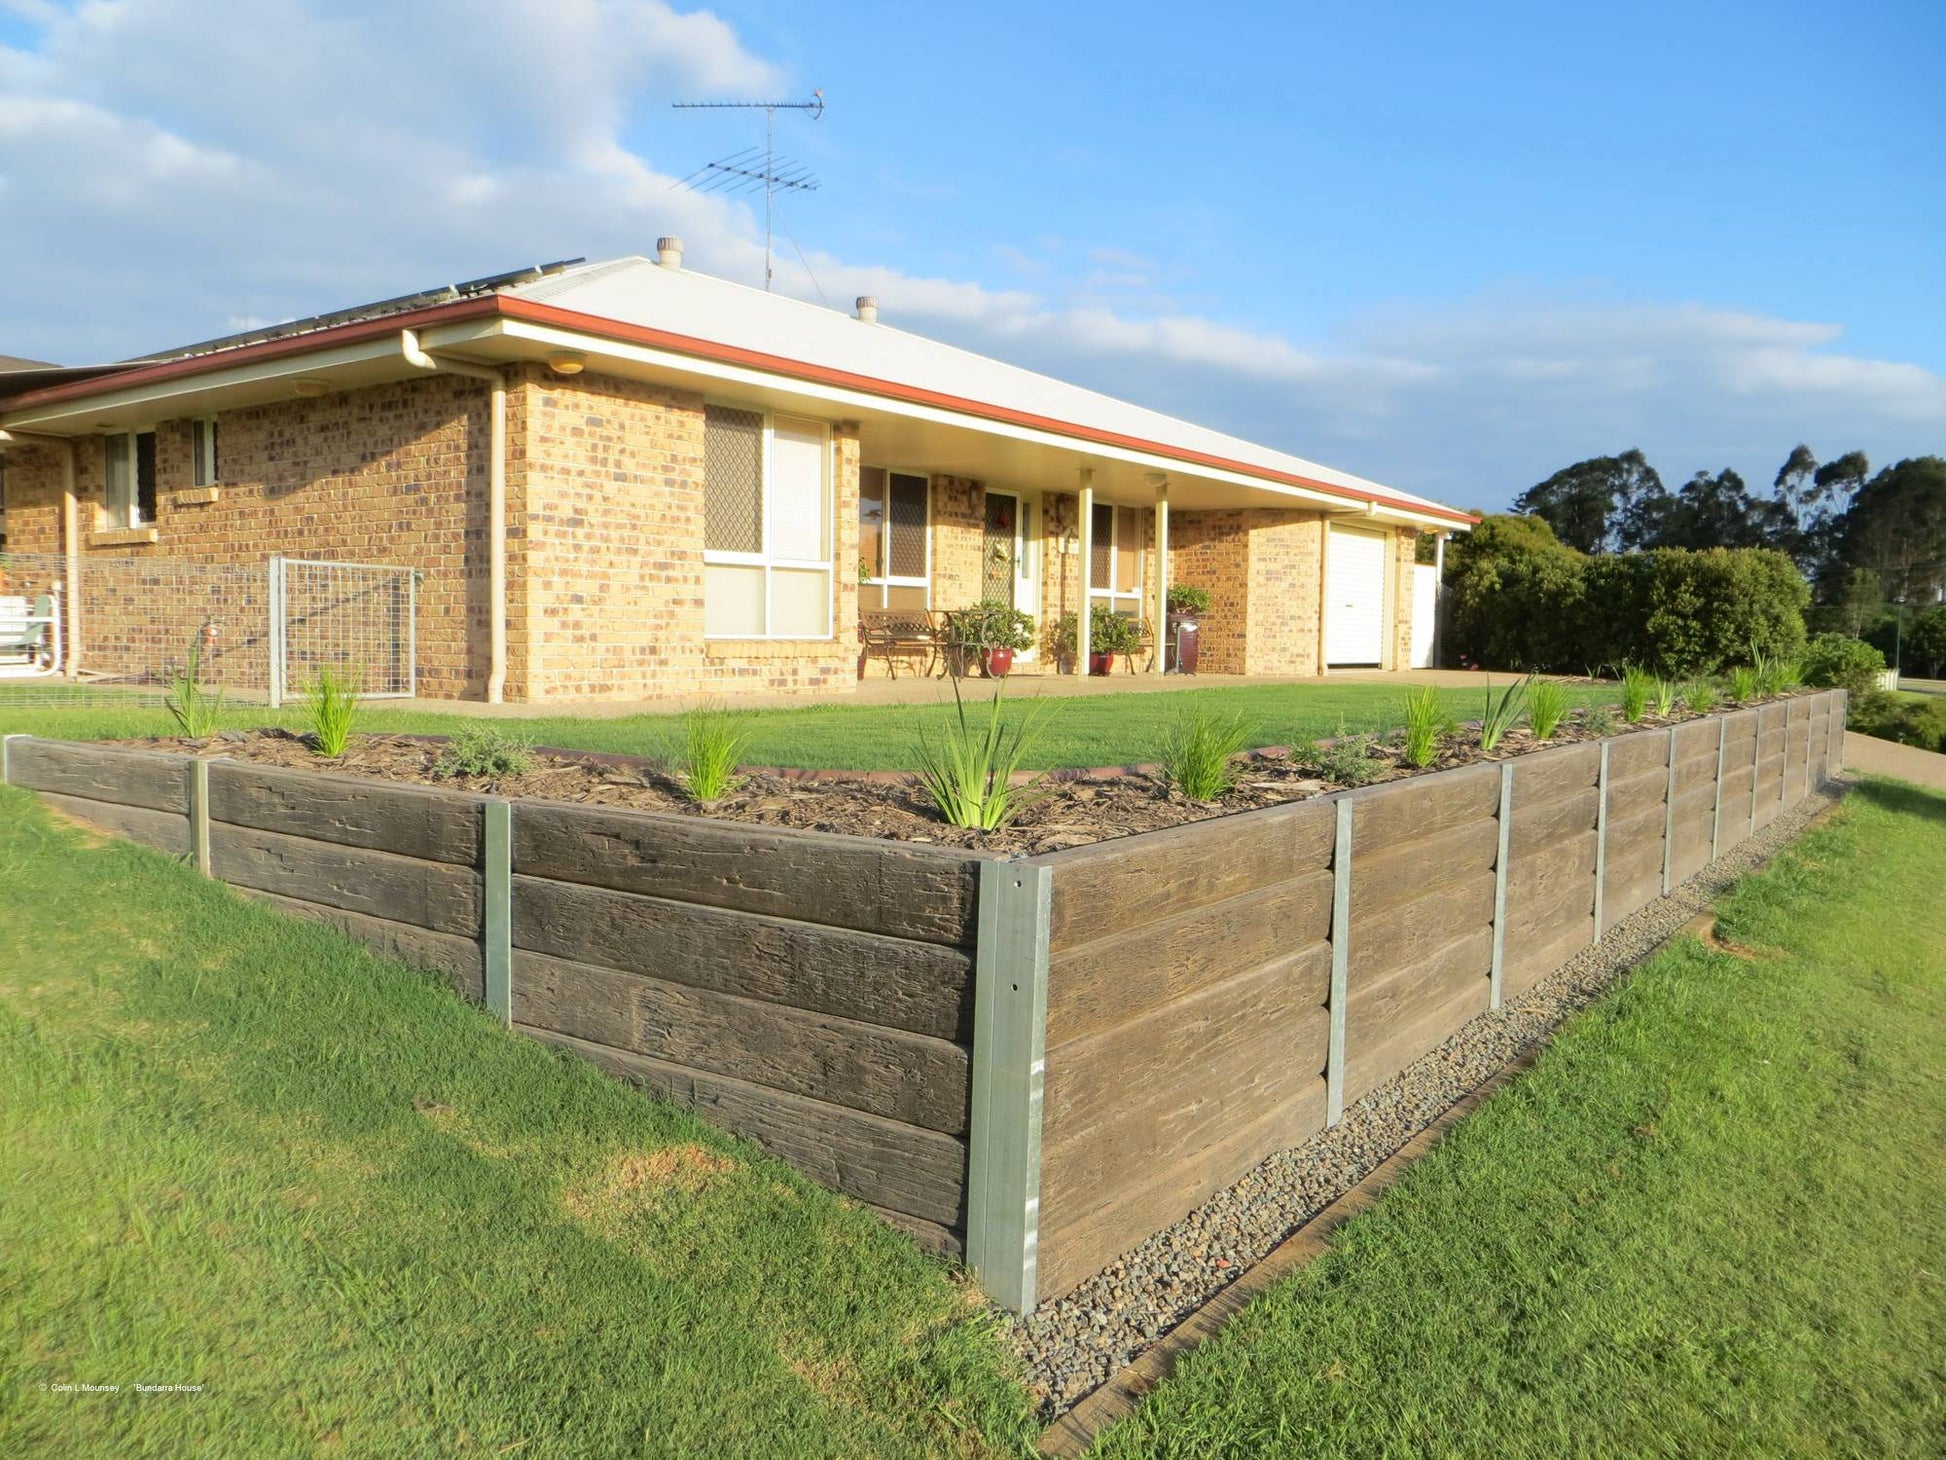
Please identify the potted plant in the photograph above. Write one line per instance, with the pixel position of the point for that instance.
(1060, 644)
(998, 631)
(1109, 634)
(1187, 605)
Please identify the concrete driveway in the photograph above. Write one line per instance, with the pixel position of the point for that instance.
(1874, 757)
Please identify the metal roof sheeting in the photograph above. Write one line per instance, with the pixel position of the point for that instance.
(640, 292)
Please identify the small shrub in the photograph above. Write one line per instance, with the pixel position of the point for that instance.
(706, 757)
(194, 708)
(1113, 633)
(1842, 662)
(1503, 714)
(1875, 713)
(1199, 752)
(333, 707)
(1743, 683)
(1700, 696)
(1925, 724)
(485, 752)
(1547, 707)
(992, 624)
(1346, 761)
(1187, 598)
(1637, 685)
(1776, 673)
(1598, 720)
(967, 773)
(1664, 697)
(1425, 717)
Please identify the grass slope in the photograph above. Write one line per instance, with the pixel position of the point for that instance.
(1710, 1221)
(238, 1151)
(1086, 730)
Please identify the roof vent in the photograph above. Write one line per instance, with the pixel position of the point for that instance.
(868, 308)
(668, 252)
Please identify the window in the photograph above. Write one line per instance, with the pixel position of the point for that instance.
(893, 569)
(202, 453)
(1115, 569)
(131, 478)
(766, 526)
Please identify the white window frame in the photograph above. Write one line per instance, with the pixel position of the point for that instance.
(765, 559)
(132, 518)
(202, 442)
(890, 581)
(1119, 600)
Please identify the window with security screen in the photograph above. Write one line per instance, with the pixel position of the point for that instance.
(892, 538)
(1115, 565)
(766, 526)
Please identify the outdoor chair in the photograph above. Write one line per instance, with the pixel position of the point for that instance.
(1144, 644)
(893, 634)
(27, 631)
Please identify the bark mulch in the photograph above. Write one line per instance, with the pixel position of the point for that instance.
(1066, 808)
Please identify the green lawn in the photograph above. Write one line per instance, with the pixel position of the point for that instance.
(1712, 1220)
(239, 1152)
(1081, 731)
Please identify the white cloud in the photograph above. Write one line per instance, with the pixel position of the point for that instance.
(173, 166)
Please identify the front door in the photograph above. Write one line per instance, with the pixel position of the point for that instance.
(1009, 565)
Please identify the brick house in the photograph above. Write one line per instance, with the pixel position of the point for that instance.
(629, 480)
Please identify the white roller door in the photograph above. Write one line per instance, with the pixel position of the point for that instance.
(1354, 598)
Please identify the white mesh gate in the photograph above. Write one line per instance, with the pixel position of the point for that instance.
(358, 619)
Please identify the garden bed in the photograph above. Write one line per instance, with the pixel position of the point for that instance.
(1078, 807)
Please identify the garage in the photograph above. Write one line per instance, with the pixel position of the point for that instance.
(1354, 599)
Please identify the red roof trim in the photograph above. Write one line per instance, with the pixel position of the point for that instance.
(779, 365)
(344, 334)
(539, 313)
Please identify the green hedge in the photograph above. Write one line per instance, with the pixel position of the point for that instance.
(1909, 720)
(1522, 600)
(1838, 660)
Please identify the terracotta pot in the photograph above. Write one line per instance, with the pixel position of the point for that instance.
(1101, 663)
(999, 662)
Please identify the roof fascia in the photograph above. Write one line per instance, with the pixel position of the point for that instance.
(245, 362)
(547, 324)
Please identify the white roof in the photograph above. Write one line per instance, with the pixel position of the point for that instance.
(638, 291)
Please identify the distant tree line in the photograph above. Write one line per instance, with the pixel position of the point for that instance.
(1871, 545)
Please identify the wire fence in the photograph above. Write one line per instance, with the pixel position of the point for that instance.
(260, 630)
(355, 618)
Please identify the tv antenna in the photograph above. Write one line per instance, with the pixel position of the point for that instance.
(750, 169)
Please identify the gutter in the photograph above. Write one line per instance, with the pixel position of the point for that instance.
(496, 501)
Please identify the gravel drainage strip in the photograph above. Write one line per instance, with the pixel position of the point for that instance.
(1090, 1355)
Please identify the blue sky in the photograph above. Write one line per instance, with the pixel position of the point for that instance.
(1450, 247)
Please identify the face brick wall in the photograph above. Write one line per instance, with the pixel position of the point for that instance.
(390, 474)
(1404, 551)
(604, 543)
(958, 539)
(1286, 588)
(614, 472)
(614, 588)
(1212, 550)
(1263, 570)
